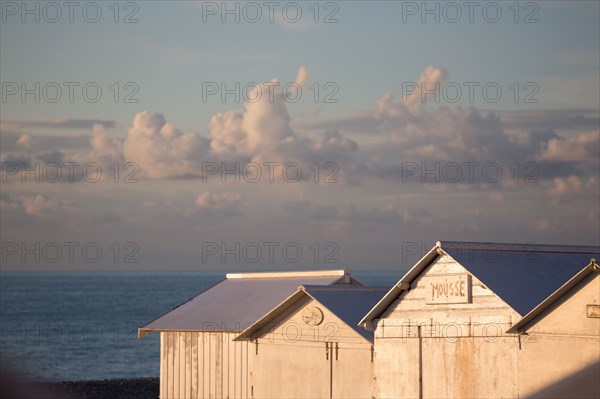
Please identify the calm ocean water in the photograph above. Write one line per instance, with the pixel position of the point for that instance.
(58, 326)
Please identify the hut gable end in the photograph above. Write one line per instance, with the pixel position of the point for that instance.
(308, 322)
(446, 293)
(571, 314)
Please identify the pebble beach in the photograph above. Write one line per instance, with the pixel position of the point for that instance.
(137, 388)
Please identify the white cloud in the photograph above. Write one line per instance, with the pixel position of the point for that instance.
(215, 205)
(25, 141)
(109, 149)
(42, 206)
(582, 148)
(429, 82)
(262, 132)
(160, 149)
(573, 186)
(302, 77)
(402, 131)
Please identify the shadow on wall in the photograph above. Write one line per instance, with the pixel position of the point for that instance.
(582, 384)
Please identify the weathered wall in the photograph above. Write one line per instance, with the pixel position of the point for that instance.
(203, 365)
(354, 372)
(460, 349)
(562, 341)
(293, 360)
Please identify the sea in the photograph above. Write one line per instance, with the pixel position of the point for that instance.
(74, 326)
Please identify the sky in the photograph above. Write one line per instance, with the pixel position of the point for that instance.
(231, 135)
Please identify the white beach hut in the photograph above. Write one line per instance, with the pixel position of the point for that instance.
(448, 327)
(310, 346)
(560, 351)
(199, 357)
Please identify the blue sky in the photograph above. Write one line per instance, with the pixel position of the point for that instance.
(374, 133)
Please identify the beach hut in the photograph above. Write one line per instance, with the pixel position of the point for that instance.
(310, 345)
(560, 350)
(446, 328)
(198, 355)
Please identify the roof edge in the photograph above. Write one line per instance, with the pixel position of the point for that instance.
(518, 247)
(272, 313)
(402, 285)
(345, 288)
(142, 330)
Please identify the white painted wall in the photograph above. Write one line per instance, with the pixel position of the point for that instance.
(203, 365)
(293, 362)
(562, 341)
(464, 350)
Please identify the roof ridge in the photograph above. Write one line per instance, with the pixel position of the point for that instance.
(348, 288)
(519, 247)
(286, 274)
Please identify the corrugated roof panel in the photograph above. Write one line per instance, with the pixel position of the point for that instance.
(349, 304)
(233, 304)
(522, 278)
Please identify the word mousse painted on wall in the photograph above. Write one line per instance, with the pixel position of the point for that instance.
(448, 289)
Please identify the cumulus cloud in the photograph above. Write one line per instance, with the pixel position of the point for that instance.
(259, 132)
(302, 77)
(160, 149)
(227, 135)
(266, 123)
(216, 205)
(395, 131)
(364, 122)
(262, 132)
(403, 131)
(573, 186)
(422, 90)
(582, 148)
(36, 152)
(432, 140)
(104, 147)
(25, 141)
(42, 206)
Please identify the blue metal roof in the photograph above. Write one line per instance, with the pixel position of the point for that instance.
(349, 304)
(523, 275)
(238, 301)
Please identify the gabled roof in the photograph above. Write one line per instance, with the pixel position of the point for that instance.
(349, 303)
(239, 300)
(592, 267)
(522, 275)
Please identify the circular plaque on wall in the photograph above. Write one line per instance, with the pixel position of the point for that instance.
(312, 315)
